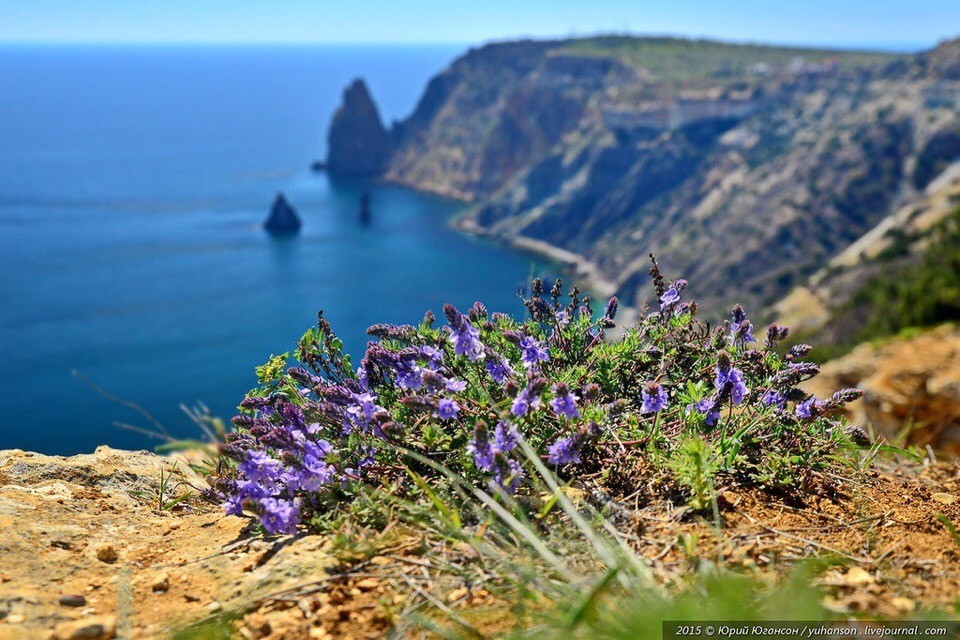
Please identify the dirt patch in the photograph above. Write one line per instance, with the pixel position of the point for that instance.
(95, 557)
(894, 555)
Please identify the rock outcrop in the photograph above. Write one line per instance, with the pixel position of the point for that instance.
(283, 219)
(747, 168)
(89, 552)
(358, 145)
(910, 384)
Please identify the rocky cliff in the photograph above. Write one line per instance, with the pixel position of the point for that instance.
(746, 168)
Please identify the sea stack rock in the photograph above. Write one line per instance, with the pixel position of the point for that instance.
(283, 220)
(365, 208)
(358, 145)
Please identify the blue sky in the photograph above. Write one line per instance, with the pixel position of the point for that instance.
(903, 23)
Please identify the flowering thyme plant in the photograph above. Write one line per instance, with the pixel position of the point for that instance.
(463, 392)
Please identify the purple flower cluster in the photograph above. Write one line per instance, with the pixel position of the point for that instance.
(311, 435)
(491, 454)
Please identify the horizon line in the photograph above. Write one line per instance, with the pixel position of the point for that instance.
(876, 46)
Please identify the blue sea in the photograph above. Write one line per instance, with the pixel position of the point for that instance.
(133, 182)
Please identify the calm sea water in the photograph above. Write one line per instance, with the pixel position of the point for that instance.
(132, 184)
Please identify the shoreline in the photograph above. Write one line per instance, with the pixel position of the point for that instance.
(586, 272)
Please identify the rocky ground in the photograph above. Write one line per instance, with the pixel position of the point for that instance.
(88, 552)
(911, 387)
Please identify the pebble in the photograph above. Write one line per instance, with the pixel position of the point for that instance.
(903, 605)
(73, 601)
(857, 577)
(106, 553)
(367, 584)
(161, 583)
(457, 594)
(944, 498)
(92, 628)
(214, 607)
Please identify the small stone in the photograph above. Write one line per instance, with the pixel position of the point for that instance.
(4, 577)
(903, 605)
(161, 583)
(15, 618)
(368, 584)
(857, 577)
(214, 607)
(73, 601)
(457, 594)
(944, 498)
(92, 628)
(106, 553)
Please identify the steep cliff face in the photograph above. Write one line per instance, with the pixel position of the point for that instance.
(357, 142)
(493, 113)
(746, 168)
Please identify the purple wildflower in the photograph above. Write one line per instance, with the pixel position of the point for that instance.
(532, 352)
(455, 385)
(564, 451)
(731, 379)
(433, 356)
(480, 448)
(610, 310)
(565, 402)
(524, 402)
(740, 328)
(507, 473)
(409, 375)
(486, 451)
(447, 409)
(708, 408)
(505, 437)
(360, 412)
(363, 377)
(654, 398)
(773, 398)
(279, 516)
(466, 341)
(669, 298)
(808, 408)
(498, 368)
(314, 474)
(233, 505)
(261, 468)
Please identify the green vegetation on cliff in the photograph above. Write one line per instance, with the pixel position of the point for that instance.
(683, 59)
(922, 294)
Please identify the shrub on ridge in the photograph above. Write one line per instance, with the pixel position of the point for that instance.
(697, 401)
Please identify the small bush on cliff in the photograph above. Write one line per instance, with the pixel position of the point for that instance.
(692, 401)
